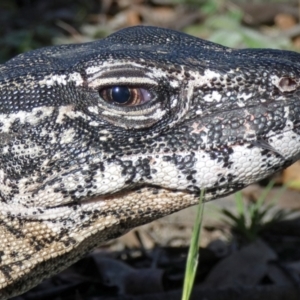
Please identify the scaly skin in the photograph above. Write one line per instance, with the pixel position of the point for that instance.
(77, 168)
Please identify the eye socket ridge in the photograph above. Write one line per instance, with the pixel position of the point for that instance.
(126, 95)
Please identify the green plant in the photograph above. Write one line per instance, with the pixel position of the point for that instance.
(194, 252)
(223, 24)
(252, 218)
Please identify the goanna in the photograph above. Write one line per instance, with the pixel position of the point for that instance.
(98, 138)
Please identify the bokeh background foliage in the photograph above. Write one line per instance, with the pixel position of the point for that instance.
(31, 24)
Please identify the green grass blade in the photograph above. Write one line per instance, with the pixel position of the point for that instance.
(239, 202)
(193, 255)
(262, 198)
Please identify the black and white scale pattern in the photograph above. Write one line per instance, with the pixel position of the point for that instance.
(77, 170)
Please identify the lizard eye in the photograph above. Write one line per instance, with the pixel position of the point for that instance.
(125, 95)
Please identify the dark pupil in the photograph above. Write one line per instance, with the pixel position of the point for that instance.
(120, 94)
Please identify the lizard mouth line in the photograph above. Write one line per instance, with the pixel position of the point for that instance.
(145, 188)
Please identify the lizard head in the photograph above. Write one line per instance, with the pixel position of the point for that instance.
(98, 138)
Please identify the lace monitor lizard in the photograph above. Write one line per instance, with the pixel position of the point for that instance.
(101, 137)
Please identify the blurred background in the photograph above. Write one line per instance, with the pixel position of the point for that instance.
(31, 24)
(250, 243)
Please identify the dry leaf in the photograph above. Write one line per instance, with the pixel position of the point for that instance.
(245, 267)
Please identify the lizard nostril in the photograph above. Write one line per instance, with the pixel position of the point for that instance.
(287, 84)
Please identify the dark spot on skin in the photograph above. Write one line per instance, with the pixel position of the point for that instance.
(155, 192)
(6, 270)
